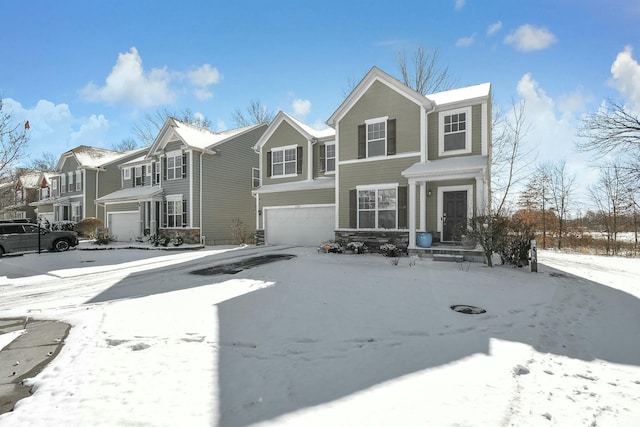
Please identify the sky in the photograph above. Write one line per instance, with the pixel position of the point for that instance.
(283, 344)
(85, 73)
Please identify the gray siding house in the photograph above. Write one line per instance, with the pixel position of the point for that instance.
(82, 175)
(400, 164)
(295, 201)
(191, 182)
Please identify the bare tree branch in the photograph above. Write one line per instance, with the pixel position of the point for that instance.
(147, 129)
(424, 74)
(13, 140)
(255, 113)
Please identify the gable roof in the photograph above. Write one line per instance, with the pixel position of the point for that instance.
(94, 157)
(377, 75)
(305, 130)
(194, 136)
(464, 94)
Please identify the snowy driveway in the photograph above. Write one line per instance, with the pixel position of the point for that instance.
(326, 339)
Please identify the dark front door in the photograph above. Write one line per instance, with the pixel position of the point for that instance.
(454, 214)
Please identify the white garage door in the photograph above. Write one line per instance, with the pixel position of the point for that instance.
(124, 226)
(301, 226)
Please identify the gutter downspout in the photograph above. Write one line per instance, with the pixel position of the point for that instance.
(202, 238)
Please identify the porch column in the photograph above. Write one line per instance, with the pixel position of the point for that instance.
(153, 227)
(423, 206)
(481, 207)
(412, 213)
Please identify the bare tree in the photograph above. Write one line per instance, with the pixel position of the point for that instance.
(255, 113)
(510, 157)
(125, 145)
(147, 129)
(46, 163)
(424, 73)
(13, 140)
(561, 186)
(612, 129)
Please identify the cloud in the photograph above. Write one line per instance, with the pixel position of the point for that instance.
(459, 4)
(625, 77)
(129, 84)
(494, 28)
(301, 107)
(93, 131)
(202, 78)
(466, 41)
(528, 38)
(221, 126)
(573, 102)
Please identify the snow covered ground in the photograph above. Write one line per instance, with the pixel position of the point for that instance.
(329, 340)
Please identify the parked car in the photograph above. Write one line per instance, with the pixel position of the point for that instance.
(23, 237)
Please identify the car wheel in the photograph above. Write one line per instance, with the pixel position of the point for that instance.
(1, 251)
(61, 245)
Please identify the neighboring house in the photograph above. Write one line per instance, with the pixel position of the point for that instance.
(295, 194)
(191, 182)
(82, 175)
(24, 191)
(400, 163)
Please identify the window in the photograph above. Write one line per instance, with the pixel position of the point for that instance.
(174, 166)
(377, 137)
(377, 208)
(157, 172)
(330, 158)
(44, 193)
(126, 173)
(175, 213)
(63, 183)
(54, 184)
(255, 177)
(283, 161)
(455, 131)
(78, 180)
(139, 180)
(76, 212)
(148, 170)
(70, 181)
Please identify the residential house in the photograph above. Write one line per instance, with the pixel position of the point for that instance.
(404, 164)
(295, 195)
(82, 175)
(190, 182)
(24, 190)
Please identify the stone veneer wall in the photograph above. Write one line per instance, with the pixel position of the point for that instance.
(373, 239)
(189, 235)
(259, 237)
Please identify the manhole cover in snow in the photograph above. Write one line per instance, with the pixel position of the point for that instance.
(468, 309)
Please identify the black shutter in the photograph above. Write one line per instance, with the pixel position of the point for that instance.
(184, 165)
(353, 208)
(184, 213)
(268, 163)
(144, 174)
(402, 207)
(164, 168)
(299, 159)
(391, 137)
(323, 157)
(362, 141)
(153, 173)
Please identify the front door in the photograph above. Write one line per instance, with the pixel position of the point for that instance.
(454, 214)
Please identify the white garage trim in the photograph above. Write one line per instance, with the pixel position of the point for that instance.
(125, 225)
(301, 225)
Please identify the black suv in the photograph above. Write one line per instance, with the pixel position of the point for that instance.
(18, 236)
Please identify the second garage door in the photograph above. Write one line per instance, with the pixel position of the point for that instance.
(124, 226)
(301, 226)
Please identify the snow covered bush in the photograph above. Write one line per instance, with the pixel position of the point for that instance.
(63, 226)
(357, 247)
(390, 250)
(331, 247)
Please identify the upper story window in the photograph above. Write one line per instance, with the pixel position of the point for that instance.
(44, 193)
(255, 177)
(78, 180)
(377, 137)
(126, 173)
(176, 166)
(455, 132)
(63, 183)
(70, 181)
(138, 175)
(156, 173)
(328, 158)
(284, 161)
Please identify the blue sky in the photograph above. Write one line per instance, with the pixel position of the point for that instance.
(85, 72)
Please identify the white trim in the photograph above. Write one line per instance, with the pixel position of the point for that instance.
(126, 173)
(320, 205)
(309, 159)
(376, 120)
(173, 197)
(326, 157)
(468, 131)
(442, 190)
(283, 149)
(376, 187)
(190, 178)
(484, 129)
(378, 158)
(337, 179)
(371, 122)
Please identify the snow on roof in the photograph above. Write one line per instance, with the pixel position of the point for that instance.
(203, 138)
(94, 157)
(317, 133)
(444, 166)
(461, 94)
(318, 183)
(30, 179)
(139, 159)
(134, 193)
